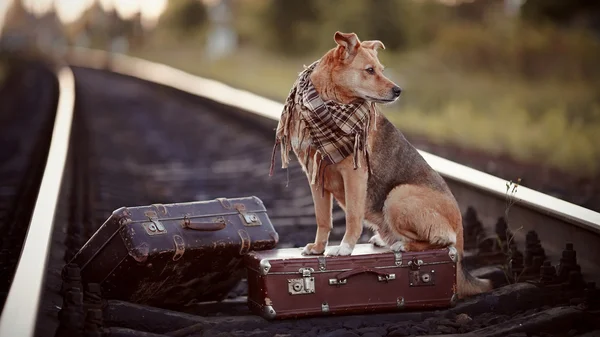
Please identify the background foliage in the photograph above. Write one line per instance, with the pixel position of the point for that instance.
(525, 84)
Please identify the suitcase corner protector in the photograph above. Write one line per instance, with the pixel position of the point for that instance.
(453, 300)
(265, 266)
(453, 253)
(268, 312)
(265, 311)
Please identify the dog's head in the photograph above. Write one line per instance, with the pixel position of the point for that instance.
(355, 70)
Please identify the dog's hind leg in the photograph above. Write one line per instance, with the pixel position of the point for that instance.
(377, 241)
(420, 219)
(431, 220)
(323, 207)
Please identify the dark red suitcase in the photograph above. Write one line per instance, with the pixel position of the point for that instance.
(282, 283)
(167, 255)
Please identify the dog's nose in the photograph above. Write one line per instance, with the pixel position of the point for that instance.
(396, 90)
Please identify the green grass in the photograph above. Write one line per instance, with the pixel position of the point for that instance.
(551, 122)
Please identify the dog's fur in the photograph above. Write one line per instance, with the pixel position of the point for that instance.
(406, 202)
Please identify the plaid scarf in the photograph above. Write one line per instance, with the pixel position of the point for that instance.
(335, 130)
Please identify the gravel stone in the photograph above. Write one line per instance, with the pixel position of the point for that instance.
(352, 324)
(398, 331)
(417, 330)
(215, 333)
(380, 331)
(259, 333)
(371, 334)
(341, 333)
(463, 319)
(446, 329)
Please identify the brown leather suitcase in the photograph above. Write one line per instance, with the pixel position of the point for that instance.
(167, 255)
(282, 283)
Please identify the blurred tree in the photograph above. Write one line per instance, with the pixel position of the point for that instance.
(289, 25)
(563, 12)
(387, 22)
(399, 24)
(184, 17)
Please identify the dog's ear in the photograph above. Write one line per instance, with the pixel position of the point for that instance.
(348, 44)
(373, 44)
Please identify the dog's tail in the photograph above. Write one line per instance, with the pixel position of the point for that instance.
(469, 285)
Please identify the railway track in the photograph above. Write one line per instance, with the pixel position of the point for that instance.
(27, 108)
(155, 135)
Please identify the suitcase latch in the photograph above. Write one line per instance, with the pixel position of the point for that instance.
(415, 264)
(420, 278)
(154, 227)
(304, 285)
(250, 219)
(398, 258)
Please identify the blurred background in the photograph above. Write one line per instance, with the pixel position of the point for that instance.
(517, 80)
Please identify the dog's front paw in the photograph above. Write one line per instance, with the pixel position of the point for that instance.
(313, 249)
(343, 249)
(377, 241)
(398, 246)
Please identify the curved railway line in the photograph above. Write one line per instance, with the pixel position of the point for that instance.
(29, 98)
(145, 133)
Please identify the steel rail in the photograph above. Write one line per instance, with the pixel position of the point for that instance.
(486, 193)
(20, 310)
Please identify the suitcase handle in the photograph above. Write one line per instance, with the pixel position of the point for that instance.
(342, 278)
(212, 226)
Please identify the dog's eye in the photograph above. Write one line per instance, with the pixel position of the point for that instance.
(370, 70)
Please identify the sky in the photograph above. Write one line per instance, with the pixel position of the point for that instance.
(70, 10)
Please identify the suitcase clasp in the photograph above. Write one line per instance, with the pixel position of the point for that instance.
(304, 285)
(154, 227)
(250, 219)
(415, 264)
(398, 258)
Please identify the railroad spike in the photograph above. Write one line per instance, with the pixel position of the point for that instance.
(473, 229)
(547, 273)
(515, 264)
(533, 249)
(568, 263)
(71, 278)
(71, 316)
(93, 323)
(92, 297)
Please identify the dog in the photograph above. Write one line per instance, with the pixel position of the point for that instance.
(351, 152)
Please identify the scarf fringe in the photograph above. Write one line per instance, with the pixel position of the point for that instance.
(316, 169)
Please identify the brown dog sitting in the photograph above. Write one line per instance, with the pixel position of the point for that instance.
(350, 151)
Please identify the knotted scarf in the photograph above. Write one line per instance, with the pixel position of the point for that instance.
(334, 130)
